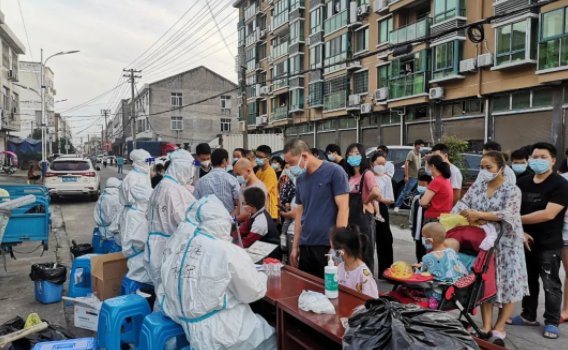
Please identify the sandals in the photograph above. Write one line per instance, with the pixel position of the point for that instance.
(520, 321)
(498, 338)
(551, 332)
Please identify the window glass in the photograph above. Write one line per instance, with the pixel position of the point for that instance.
(501, 103)
(511, 42)
(385, 27)
(361, 82)
(552, 24)
(542, 97)
(383, 76)
(70, 165)
(362, 40)
(521, 100)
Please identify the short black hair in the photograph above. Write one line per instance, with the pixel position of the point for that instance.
(333, 148)
(519, 155)
(279, 160)
(437, 162)
(255, 197)
(350, 240)
(425, 177)
(167, 164)
(218, 156)
(203, 148)
(419, 142)
(383, 149)
(265, 149)
(315, 152)
(441, 148)
(376, 155)
(159, 167)
(547, 146)
(241, 150)
(492, 146)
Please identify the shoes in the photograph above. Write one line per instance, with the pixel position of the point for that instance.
(396, 209)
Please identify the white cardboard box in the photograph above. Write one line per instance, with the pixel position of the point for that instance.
(86, 317)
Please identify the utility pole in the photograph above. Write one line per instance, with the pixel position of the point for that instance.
(243, 87)
(132, 76)
(105, 112)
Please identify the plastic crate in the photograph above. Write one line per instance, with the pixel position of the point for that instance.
(47, 292)
(71, 344)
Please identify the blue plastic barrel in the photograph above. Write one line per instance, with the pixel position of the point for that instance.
(47, 292)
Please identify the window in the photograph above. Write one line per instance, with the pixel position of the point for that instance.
(296, 4)
(408, 76)
(383, 76)
(279, 13)
(446, 58)
(70, 165)
(501, 103)
(336, 52)
(177, 123)
(335, 93)
(296, 99)
(361, 40)
(315, 98)
(6, 99)
(176, 99)
(262, 51)
(553, 45)
(316, 20)
(385, 27)
(446, 9)
(225, 124)
(297, 32)
(316, 56)
(5, 55)
(361, 82)
(511, 43)
(542, 97)
(523, 100)
(296, 64)
(226, 104)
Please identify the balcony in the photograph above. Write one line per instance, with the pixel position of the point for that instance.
(410, 32)
(278, 84)
(250, 12)
(280, 113)
(252, 65)
(407, 86)
(279, 50)
(336, 22)
(279, 20)
(336, 100)
(252, 37)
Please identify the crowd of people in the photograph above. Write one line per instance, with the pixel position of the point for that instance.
(308, 207)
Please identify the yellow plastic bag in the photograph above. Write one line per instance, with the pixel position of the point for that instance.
(449, 221)
(32, 320)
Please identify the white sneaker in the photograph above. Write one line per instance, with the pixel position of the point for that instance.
(396, 209)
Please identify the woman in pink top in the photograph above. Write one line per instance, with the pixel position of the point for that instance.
(439, 196)
(363, 190)
(352, 272)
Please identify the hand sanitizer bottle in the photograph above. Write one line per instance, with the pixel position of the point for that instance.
(330, 278)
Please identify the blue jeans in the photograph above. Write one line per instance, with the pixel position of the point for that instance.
(408, 187)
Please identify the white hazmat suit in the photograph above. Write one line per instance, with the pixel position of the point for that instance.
(107, 211)
(168, 204)
(134, 196)
(208, 283)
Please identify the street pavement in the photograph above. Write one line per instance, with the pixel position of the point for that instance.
(73, 220)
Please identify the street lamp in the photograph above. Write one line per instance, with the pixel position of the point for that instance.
(43, 117)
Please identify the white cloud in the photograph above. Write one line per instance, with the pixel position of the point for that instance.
(110, 34)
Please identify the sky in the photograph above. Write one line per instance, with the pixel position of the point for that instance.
(112, 35)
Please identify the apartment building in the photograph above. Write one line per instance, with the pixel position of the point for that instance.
(392, 71)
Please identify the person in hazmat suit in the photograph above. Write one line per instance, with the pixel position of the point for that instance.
(134, 196)
(168, 204)
(208, 283)
(107, 211)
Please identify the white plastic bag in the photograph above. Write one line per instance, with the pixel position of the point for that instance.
(316, 302)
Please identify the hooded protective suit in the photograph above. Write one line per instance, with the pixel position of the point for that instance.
(168, 203)
(208, 282)
(107, 211)
(134, 196)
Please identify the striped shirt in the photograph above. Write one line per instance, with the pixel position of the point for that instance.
(220, 183)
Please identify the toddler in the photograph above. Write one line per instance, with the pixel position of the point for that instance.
(466, 259)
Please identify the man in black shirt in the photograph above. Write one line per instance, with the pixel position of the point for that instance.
(333, 154)
(545, 198)
(203, 152)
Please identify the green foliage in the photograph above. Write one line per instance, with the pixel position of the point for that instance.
(456, 147)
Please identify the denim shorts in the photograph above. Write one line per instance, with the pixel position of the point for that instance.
(565, 235)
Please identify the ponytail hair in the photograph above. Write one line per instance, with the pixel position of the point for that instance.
(350, 240)
(437, 162)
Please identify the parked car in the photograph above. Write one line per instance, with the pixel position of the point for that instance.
(73, 176)
(471, 166)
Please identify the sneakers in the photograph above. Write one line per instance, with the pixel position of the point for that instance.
(396, 209)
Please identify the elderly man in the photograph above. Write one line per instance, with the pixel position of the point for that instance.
(167, 208)
(244, 170)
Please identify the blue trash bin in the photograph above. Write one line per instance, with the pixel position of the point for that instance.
(47, 292)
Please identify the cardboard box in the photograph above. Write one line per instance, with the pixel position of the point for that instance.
(107, 272)
(86, 317)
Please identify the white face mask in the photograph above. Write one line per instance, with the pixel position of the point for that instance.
(380, 169)
(205, 163)
(487, 176)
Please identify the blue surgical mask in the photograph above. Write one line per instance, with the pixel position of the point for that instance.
(421, 189)
(354, 160)
(519, 168)
(296, 170)
(539, 166)
(330, 157)
(426, 243)
(241, 179)
(275, 166)
(259, 162)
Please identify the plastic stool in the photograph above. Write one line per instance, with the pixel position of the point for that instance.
(110, 246)
(129, 286)
(97, 242)
(157, 329)
(120, 321)
(80, 277)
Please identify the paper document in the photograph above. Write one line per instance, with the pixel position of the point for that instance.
(260, 250)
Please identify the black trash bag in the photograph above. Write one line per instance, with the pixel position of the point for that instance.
(80, 249)
(12, 325)
(51, 272)
(53, 332)
(385, 324)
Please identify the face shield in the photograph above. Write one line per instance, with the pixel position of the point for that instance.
(140, 159)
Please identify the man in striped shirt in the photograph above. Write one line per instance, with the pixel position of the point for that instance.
(220, 183)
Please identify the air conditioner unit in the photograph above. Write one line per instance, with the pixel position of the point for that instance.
(468, 65)
(354, 65)
(354, 100)
(363, 10)
(366, 108)
(380, 5)
(382, 94)
(241, 126)
(263, 33)
(261, 120)
(307, 41)
(265, 90)
(436, 93)
(485, 60)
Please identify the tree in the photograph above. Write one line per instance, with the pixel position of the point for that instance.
(36, 134)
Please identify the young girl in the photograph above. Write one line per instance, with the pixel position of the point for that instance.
(352, 272)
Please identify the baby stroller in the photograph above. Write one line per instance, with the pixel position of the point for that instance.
(469, 291)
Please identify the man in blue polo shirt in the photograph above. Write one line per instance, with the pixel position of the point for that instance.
(323, 204)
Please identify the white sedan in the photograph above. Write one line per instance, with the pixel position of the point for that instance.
(73, 176)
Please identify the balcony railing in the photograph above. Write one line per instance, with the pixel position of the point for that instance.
(279, 19)
(252, 65)
(336, 21)
(407, 85)
(280, 83)
(250, 12)
(280, 113)
(410, 32)
(252, 37)
(279, 50)
(335, 100)
(251, 120)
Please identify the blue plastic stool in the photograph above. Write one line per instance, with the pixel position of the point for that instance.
(129, 286)
(110, 246)
(97, 242)
(80, 277)
(157, 329)
(120, 321)
(71, 344)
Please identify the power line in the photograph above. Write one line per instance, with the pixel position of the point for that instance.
(83, 104)
(218, 29)
(25, 29)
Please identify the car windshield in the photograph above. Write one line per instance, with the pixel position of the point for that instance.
(473, 161)
(70, 165)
